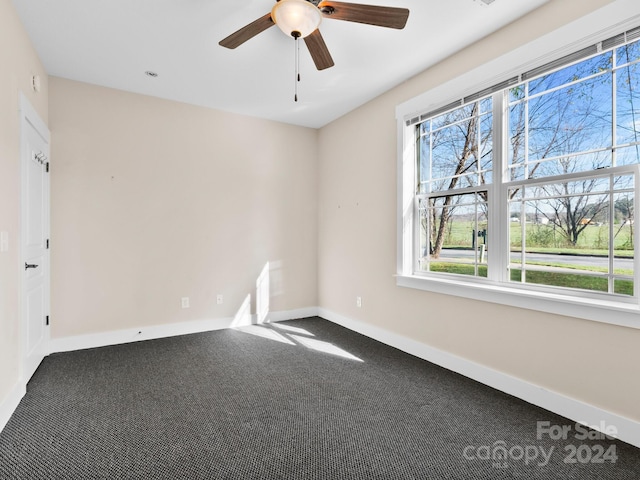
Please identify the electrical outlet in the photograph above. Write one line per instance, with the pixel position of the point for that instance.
(219, 299)
(358, 302)
(185, 302)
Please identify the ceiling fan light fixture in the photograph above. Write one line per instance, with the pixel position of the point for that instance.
(297, 18)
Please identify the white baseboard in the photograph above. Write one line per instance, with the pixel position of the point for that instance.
(116, 337)
(627, 430)
(10, 403)
(292, 314)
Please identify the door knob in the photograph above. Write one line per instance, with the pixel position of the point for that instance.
(27, 266)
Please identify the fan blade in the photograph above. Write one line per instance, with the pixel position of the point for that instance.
(391, 17)
(248, 32)
(318, 50)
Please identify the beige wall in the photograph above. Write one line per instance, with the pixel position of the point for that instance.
(18, 62)
(589, 361)
(154, 200)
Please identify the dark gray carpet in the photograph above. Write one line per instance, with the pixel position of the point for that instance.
(233, 404)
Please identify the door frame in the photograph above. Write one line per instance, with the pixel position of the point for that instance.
(29, 118)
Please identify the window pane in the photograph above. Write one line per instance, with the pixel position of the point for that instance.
(628, 155)
(424, 155)
(452, 152)
(516, 224)
(486, 105)
(573, 119)
(453, 116)
(570, 217)
(423, 234)
(486, 147)
(459, 268)
(517, 138)
(572, 73)
(628, 53)
(623, 287)
(569, 164)
(517, 93)
(566, 280)
(623, 233)
(628, 105)
(425, 127)
(454, 234)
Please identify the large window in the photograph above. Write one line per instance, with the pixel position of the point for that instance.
(532, 184)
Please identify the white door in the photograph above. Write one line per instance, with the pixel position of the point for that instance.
(35, 244)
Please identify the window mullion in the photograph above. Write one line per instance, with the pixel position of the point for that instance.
(498, 207)
(612, 211)
(525, 151)
(614, 112)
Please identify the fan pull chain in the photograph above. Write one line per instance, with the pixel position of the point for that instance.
(296, 35)
(297, 54)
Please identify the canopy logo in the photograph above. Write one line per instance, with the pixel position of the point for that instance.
(586, 452)
(500, 454)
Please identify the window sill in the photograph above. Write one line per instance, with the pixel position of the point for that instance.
(615, 313)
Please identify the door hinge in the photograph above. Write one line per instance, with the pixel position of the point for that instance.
(47, 244)
(47, 167)
(47, 320)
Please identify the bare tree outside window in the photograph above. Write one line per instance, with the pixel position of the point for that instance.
(570, 126)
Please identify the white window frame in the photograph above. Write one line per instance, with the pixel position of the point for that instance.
(608, 21)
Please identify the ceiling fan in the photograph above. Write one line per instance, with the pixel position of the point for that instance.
(301, 18)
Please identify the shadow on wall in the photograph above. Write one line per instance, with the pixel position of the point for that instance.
(243, 315)
(260, 326)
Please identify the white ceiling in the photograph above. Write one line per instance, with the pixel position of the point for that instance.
(112, 43)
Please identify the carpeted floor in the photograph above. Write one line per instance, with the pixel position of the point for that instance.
(303, 399)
